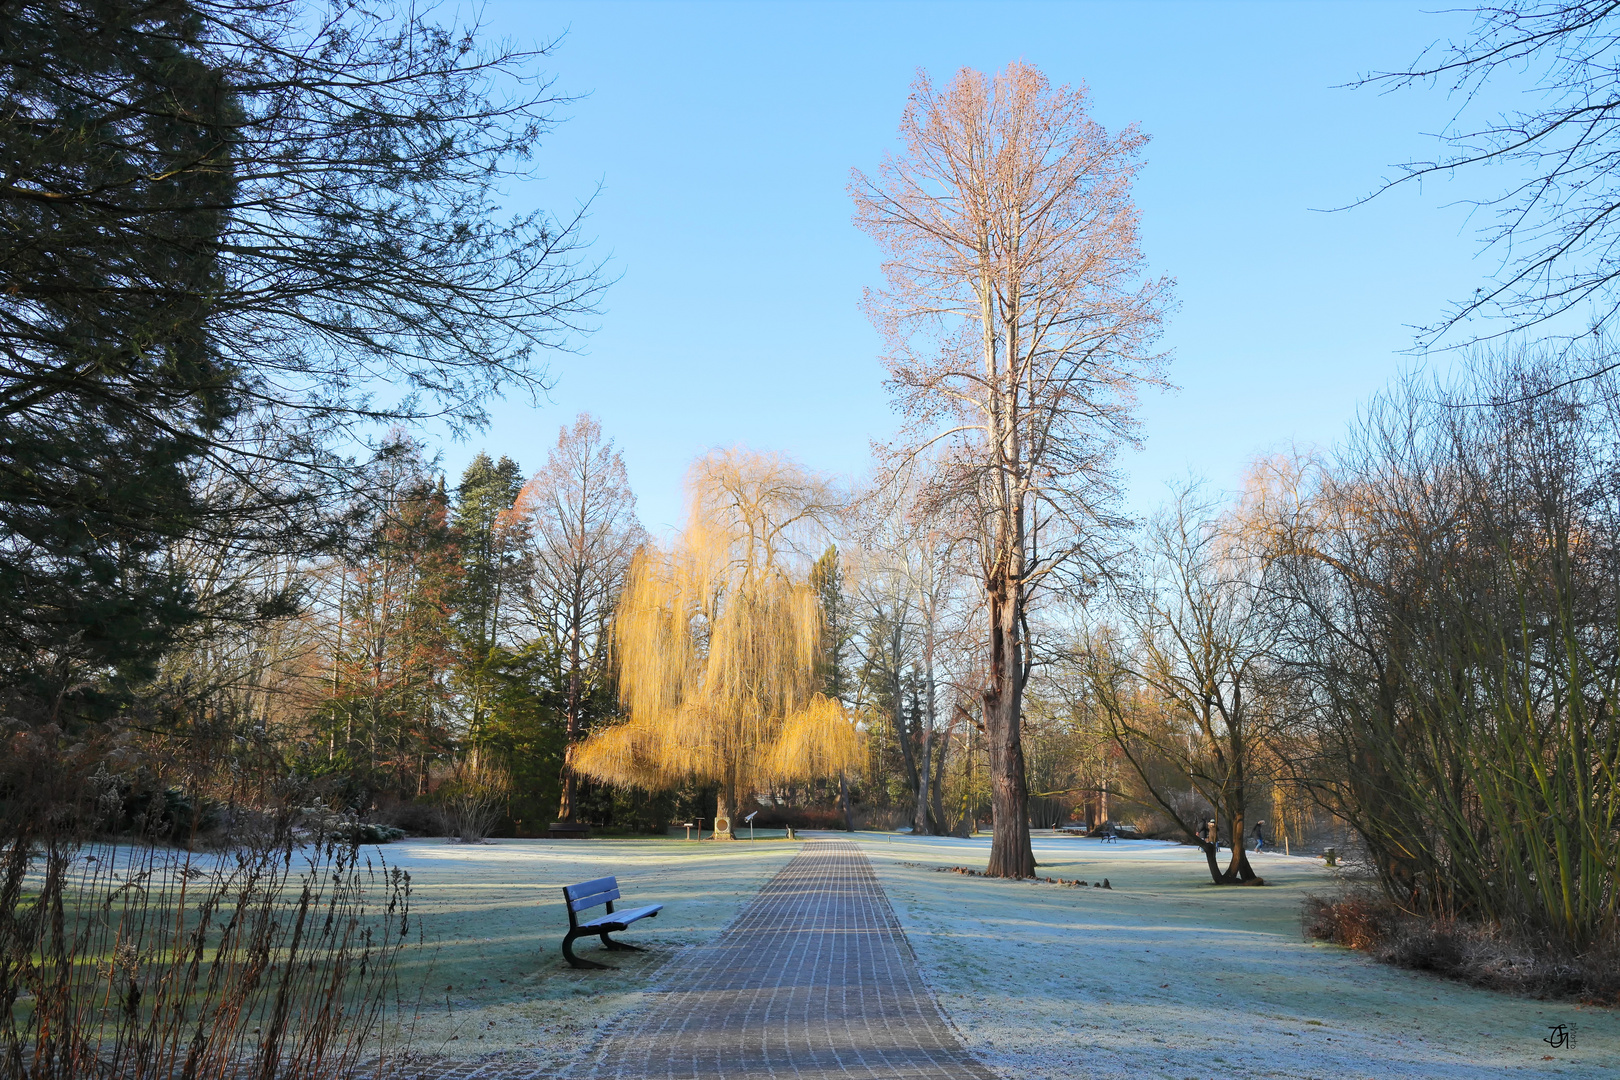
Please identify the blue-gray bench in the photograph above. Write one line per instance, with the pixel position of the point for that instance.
(590, 894)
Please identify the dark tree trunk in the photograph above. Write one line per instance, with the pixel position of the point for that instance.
(843, 803)
(570, 788)
(1010, 852)
(938, 788)
(920, 819)
(1238, 870)
(565, 805)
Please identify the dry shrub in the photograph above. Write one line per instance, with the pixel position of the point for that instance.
(474, 800)
(1357, 921)
(123, 959)
(1493, 957)
(135, 960)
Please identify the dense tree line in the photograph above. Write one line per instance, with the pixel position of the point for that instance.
(244, 236)
(239, 237)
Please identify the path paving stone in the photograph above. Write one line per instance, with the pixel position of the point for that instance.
(815, 979)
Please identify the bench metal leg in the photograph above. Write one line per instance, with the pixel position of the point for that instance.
(575, 961)
(617, 946)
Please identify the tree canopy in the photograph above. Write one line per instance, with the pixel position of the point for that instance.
(719, 641)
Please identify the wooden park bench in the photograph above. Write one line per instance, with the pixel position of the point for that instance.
(590, 894)
(567, 830)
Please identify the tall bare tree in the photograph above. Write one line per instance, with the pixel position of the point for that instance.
(579, 517)
(885, 608)
(1018, 327)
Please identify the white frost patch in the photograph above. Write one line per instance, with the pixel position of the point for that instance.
(1166, 975)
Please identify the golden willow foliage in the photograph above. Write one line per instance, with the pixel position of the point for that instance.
(717, 640)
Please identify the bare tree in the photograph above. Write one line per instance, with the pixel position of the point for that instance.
(1018, 329)
(579, 516)
(1554, 221)
(1182, 683)
(886, 642)
(909, 585)
(1447, 590)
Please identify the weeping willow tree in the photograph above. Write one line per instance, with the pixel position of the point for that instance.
(717, 640)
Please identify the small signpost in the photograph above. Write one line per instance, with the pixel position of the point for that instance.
(687, 825)
(700, 828)
(749, 820)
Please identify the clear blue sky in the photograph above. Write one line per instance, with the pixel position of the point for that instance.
(723, 136)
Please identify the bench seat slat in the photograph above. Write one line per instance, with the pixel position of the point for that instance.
(621, 919)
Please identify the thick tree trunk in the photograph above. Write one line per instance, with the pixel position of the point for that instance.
(843, 803)
(1238, 870)
(938, 806)
(1010, 852)
(570, 780)
(565, 804)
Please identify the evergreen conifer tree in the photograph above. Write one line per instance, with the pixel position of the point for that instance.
(111, 384)
(486, 536)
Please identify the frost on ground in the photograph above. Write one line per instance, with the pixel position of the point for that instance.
(1166, 975)
(492, 977)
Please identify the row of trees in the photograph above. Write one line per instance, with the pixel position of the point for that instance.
(278, 229)
(241, 238)
(281, 230)
(460, 633)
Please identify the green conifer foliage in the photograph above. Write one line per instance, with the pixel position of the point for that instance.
(116, 137)
(487, 538)
(390, 709)
(236, 235)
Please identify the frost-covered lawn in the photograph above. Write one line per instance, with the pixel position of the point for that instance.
(1168, 976)
(494, 977)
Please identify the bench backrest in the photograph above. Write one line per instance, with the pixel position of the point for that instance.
(589, 894)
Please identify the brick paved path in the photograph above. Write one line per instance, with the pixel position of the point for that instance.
(815, 979)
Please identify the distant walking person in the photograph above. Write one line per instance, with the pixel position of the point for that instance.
(1259, 837)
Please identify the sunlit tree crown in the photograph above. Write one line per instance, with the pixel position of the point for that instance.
(718, 640)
